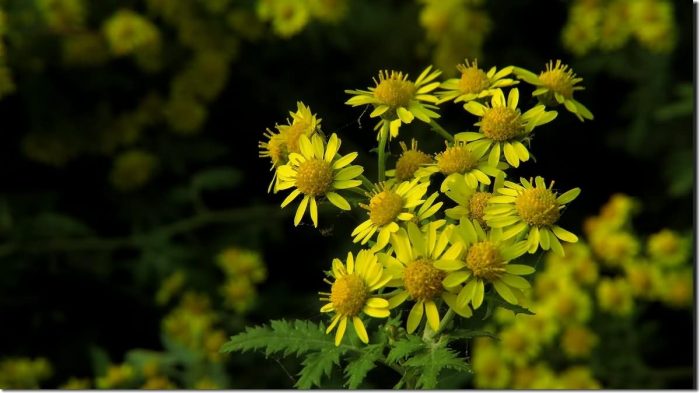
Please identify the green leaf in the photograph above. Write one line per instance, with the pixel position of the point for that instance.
(216, 179)
(467, 334)
(54, 225)
(357, 369)
(431, 362)
(288, 337)
(404, 347)
(316, 365)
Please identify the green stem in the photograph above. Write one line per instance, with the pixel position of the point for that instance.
(367, 183)
(441, 131)
(445, 320)
(383, 137)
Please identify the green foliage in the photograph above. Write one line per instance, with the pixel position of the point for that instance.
(428, 364)
(316, 365)
(296, 337)
(403, 348)
(216, 179)
(357, 369)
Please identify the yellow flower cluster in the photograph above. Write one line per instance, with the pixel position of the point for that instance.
(573, 294)
(455, 29)
(443, 261)
(243, 269)
(608, 25)
(24, 373)
(290, 17)
(132, 169)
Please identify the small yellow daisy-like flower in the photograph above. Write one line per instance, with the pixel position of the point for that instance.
(519, 345)
(389, 204)
(556, 85)
(677, 288)
(491, 371)
(474, 83)
(578, 341)
(315, 173)
(461, 161)
(487, 261)
(399, 100)
(615, 296)
(577, 377)
(503, 128)
(414, 271)
(286, 140)
(669, 248)
(644, 278)
(569, 304)
(471, 202)
(409, 162)
(351, 293)
(521, 207)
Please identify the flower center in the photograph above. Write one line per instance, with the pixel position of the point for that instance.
(477, 204)
(537, 206)
(314, 177)
(294, 132)
(348, 294)
(456, 159)
(484, 260)
(422, 280)
(384, 207)
(409, 162)
(558, 81)
(473, 80)
(394, 91)
(501, 123)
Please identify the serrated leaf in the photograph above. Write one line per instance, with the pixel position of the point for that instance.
(288, 337)
(316, 365)
(431, 362)
(357, 369)
(497, 301)
(404, 347)
(216, 179)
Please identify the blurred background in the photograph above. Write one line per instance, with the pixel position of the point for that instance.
(136, 233)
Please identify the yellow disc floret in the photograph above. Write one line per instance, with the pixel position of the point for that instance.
(410, 161)
(485, 261)
(538, 206)
(456, 159)
(559, 78)
(384, 207)
(314, 177)
(477, 204)
(473, 79)
(394, 89)
(422, 280)
(348, 294)
(501, 123)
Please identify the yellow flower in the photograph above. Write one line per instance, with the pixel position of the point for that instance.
(538, 376)
(577, 264)
(487, 261)
(471, 202)
(577, 341)
(158, 382)
(117, 376)
(518, 208)
(644, 278)
(577, 377)
(75, 383)
(238, 293)
(503, 128)
(351, 293)
(614, 248)
(461, 161)
(329, 10)
(128, 32)
(677, 288)
(518, 344)
(556, 85)
(414, 271)
(132, 170)
(581, 33)
(316, 172)
(570, 304)
(286, 140)
(171, 286)
(474, 83)
(288, 17)
(389, 205)
(669, 248)
(242, 263)
(653, 23)
(409, 162)
(615, 296)
(490, 369)
(399, 100)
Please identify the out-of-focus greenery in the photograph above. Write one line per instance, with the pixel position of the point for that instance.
(136, 235)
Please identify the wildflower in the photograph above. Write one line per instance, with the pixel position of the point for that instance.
(503, 128)
(521, 207)
(615, 296)
(158, 382)
(75, 383)
(116, 376)
(171, 286)
(399, 100)
(577, 341)
(581, 34)
(518, 344)
(677, 288)
(538, 376)
(577, 377)
(569, 304)
(461, 161)
(644, 278)
(471, 203)
(614, 248)
(316, 172)
(474, 83)
(63, 16)
(389, 205)
(132, 169)
(351, 293)
(288, 17)
(490, 369)
(23, 373)
(128, 32)
(414, 271)
(487, 261)
(409, 162)
(329, 10)
(242, 263)
(668, 248)
(556, 85)
(577, 263)
(238, 293)
(653, 24)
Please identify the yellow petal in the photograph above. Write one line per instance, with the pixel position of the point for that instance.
(431, 313)
(414, 317)
(301, 210)
(341, 330)
(360, 329)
